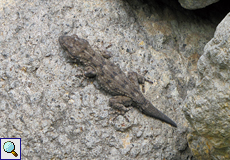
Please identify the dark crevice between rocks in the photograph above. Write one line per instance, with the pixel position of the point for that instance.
(215, 11)
(182, 30)
(167, 11)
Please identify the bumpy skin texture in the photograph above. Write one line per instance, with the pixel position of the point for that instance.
(110, 78)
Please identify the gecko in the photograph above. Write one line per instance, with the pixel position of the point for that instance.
(124, 89)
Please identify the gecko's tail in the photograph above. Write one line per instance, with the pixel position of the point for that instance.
(151, 111)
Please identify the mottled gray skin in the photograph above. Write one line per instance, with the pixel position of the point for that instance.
(125, 91)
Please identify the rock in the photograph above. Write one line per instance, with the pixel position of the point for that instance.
(208, 107)
(196, 4)
(60, 115)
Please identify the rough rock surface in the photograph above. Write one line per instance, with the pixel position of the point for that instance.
(208, 106)
(196, 4)
(59, 116)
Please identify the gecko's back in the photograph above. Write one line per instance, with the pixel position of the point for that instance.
(109, 76)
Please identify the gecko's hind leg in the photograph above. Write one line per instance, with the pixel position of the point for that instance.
(120, 103)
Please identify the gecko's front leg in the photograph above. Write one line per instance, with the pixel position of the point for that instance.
(89, 72)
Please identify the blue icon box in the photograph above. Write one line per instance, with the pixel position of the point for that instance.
(10, 148)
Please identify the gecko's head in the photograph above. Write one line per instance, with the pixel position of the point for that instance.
(73, 44)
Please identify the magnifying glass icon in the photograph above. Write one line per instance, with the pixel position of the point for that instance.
(9, 147)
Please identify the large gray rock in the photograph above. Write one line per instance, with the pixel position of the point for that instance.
(196, 4)
(59, 116)
(208, 106)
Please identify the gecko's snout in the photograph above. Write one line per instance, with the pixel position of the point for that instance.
(61, 40)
